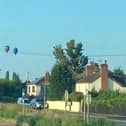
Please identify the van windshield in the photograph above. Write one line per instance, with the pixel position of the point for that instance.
(26, 101)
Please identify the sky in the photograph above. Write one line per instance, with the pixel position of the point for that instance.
(36, 26)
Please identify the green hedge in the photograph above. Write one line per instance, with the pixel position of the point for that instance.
(6, 99)
(76, 96)
(111, 102)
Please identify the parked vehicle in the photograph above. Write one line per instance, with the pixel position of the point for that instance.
(37, 103)
(23, 101)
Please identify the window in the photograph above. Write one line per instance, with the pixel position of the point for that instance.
(29, 89)
(33, 88)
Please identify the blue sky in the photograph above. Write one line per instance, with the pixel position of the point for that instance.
(36, 26)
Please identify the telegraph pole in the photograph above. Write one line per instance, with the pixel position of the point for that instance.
(66, 98)
(84, 114)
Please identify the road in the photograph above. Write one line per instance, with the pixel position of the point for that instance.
(118, 122)
(116, 119)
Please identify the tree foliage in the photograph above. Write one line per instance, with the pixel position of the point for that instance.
(68, 61)
(7, 75)
(9, 89)
(15, 77)
(110, 99)
(60, 80)
(76, 96)
(118, 71)
(72, 56)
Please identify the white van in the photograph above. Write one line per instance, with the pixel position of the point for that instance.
(22, 101)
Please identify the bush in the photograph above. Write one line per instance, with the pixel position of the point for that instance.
(57, 121)
(109, 102)
(20, 120)
(76, 96)
(32, 121)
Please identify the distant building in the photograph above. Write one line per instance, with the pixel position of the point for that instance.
(36, 87)
(99, 77)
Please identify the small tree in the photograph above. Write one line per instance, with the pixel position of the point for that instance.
(7, 75)
(15, 77)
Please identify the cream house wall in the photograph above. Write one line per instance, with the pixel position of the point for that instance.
(113, 85)
(84, 87)
(36, 89)
(60, 105)
(81, 87)
(96, 85)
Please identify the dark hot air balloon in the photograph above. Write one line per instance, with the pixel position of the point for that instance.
(7, 48)
(15, 50)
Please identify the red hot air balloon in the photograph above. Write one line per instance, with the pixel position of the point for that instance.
(7, 48)
(15, 50)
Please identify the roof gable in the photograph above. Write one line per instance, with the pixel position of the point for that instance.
(89, 78)
(121, 80)
(37, 81)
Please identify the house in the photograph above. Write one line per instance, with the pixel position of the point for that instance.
(38, 86)
(99, 77)
(34, 87)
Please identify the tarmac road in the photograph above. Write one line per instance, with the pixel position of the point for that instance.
(118, 122)
(116, 119)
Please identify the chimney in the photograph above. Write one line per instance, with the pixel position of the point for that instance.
(89, 70)
(104, 76)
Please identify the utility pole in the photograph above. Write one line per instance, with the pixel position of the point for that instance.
(66, 99)
(44, 93)
(87, 109)
(46, 79)
(27, 77)
(88, 102)
(84, 114)
(23, 95)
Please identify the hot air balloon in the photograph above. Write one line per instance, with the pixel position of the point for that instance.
(7, 48)
(15, 50)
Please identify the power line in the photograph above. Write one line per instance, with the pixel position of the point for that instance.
(107, 55)
(50, 55)
(36, 54)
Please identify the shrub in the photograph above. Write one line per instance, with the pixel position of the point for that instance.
(76, 96)
(32, 121)
(57, 121)
(20, 120)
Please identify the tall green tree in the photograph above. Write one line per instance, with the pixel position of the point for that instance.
(60, 80)
(7, 75)
(15, 77)
(72, 56)
(10, 90)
